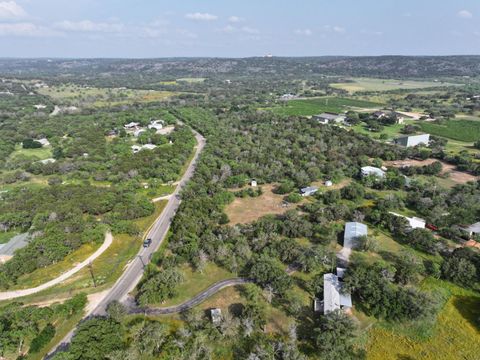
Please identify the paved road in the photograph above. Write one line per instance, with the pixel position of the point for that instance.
(19, 293)
(134, 272)
(198, 299)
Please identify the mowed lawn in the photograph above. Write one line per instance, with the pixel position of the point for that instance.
(462, 130)
(315, 106)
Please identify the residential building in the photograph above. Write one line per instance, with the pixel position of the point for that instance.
(131, 125)
(371, 170)
(43, 141)
(413, 140)
(308, 191)
(473, 229)
(353, 231)
(415, 222)
(333, 296)
(156, 124)
(253, 183)
(329, 118)
(138, 132)
(216, 316)
(328, 183)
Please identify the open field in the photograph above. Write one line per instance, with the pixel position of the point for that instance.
(315, 106)
(456, 335)
(33, 154)
(462, 130)
(100, 97)
(246, 210)
(458, 177)
(370, 84)
(191, 80)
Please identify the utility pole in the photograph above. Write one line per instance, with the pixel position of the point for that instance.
(141, 259)
(90, 267)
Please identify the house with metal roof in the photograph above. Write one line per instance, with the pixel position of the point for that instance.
(334, 298)
(308, 191)
(473, 229)
(329, 118)
(414, 222)
(371, 170)
(216, 316)
(353, 231)
(413, 140)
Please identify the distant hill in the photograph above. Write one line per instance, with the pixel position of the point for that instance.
(381, 66)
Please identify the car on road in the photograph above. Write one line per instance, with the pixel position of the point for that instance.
(147, 243)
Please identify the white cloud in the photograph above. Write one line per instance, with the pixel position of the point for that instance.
(10, 10)
(235, 19)
(304, 32)
(339, 29)
(465, 14)
(243, 29)
(27, 30)
(201, 16)
(89, 26)
(249, 30)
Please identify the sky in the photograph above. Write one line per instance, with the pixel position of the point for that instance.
(241, 28)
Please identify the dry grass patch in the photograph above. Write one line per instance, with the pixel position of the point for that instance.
(247, 210)
(458, 177)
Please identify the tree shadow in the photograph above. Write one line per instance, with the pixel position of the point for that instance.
(469, 308)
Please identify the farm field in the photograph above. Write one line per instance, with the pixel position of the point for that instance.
(462, 130)
(34, 154)
(368, 84)
(315, 106)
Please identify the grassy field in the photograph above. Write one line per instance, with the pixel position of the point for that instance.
(100, 97)
(462, 130)
(456, 334)
(368, 84)
(192, 80)
(33, 154)
(318, 105)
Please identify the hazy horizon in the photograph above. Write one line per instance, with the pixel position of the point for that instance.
(161, 29)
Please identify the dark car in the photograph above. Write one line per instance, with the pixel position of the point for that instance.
(147, 243)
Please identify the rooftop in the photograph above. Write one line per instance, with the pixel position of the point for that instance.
(333, 298)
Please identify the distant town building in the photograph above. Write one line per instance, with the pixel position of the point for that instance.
(329, 118)
(413, 140)
(334, 298)
(371, 170)
(308, 191)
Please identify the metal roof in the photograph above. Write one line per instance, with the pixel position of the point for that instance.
(333, 298)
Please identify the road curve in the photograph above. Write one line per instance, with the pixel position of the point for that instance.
(7, 295)
(197, 299)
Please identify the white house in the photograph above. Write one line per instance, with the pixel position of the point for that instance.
(253, 183)
(413, 140)
(308, 191)
(47, 161)
(473, 229)
(137, 148)
(131, 125)
(328, 183)
(353, 231)
(415, 222)
(329, 118)
(149, 146)
(371, 170)
(40, 106)
(43, 141)
(156, 124)
(216, 316)
(138, 132)
(333, 296)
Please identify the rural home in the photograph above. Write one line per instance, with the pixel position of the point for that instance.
(253, 183)
(156, 124)
(414, 222)
(371, 170)
(328, 183)
(327, 118)
(353, 231)
(413, 140)
(308, 191)
(333, 296)
(473, 229)
(138, 132)
(216, 316)
(43, 141)
(137, 148)
(131, 125)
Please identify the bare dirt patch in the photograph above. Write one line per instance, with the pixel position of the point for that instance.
(458, 177)
(247, 210)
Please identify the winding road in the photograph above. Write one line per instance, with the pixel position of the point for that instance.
(197, 299)
(7, 295)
